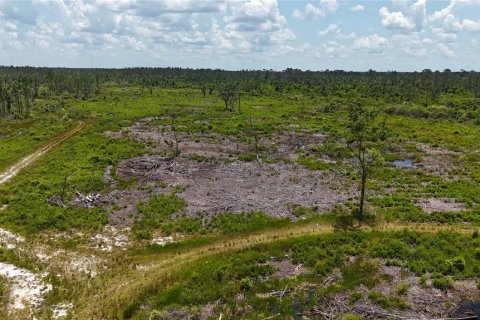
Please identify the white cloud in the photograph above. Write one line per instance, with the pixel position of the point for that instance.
(255, 22)
(334, 50)
(330, 29)
(412, 44)
(406, 16)
(447, 19)
(357, 8)
(182, 25)
(371, 44)
(470, 25)
(446, 51)
(395, 20)
(312, 11)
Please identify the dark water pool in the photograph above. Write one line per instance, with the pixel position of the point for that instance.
(468, 308)
(402, 163)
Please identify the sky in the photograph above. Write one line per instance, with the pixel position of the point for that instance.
(402, 35)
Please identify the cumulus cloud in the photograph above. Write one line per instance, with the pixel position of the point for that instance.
(330, 29)
(447, 18)
(371, 44)
(412, 44)
(149, 26)
(310, 11)
(405, 16)
(446, 51)
(357, 8)
(333, 49)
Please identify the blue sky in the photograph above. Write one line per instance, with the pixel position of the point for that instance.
(402, 35)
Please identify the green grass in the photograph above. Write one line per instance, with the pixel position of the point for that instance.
(223, 277)
(21, 137)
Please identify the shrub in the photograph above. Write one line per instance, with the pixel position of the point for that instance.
(402, 288)
(246, 284)
(443, 283)
(387, 302)
(354, 297)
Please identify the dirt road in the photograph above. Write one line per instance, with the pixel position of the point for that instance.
(13, 170)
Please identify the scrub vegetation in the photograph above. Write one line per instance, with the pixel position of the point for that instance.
(199, 194)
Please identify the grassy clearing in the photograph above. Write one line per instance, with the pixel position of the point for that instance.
(84, 158)
(109, 296)
(21, 137)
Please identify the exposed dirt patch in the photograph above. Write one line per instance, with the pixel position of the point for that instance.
(432, 205)
(119, 203)
(27, 289)
(240, 186)
(287, 144)
(286, 269)
(111, 238)
(420, 301)
(113, 134)
(164, 240)
(282, 146)
(71, 263)
(434, 151)
(437, 161)
(208, 145)
(61, 310)
(9, 240)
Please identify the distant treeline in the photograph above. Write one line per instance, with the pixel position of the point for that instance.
(19, 86)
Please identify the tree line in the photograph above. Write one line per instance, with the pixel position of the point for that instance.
(19, 86)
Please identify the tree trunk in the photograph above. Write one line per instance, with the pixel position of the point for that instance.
(362, 193)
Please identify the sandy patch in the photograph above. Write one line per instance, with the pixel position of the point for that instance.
(162, 241)
(437, 161)
(432, 205)
(111, 238)
(61, 310)
(88, 265)
(9, 239)
(27, 289)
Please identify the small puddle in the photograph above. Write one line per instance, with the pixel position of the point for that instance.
(402, 163)
(468, 308)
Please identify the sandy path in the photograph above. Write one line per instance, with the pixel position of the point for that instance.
(13, 170)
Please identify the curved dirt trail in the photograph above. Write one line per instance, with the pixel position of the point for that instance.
(108, 297)
(14, 169)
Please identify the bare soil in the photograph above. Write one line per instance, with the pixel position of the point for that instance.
(287, 144)
(432, 205)
(286, 269)
(240, 186)
(437, 161)
(423, 302)
(163, 139)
